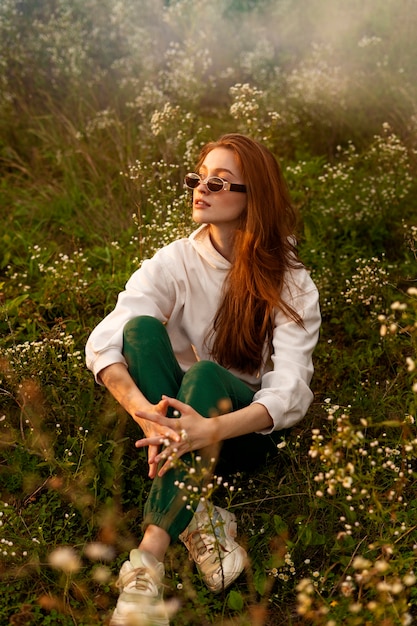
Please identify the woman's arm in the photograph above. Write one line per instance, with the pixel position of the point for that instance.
(121, 385)
(199, 433)
(118, 381)
(285, 389)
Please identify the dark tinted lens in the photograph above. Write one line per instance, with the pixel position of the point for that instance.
(215, 184)
(192, 181)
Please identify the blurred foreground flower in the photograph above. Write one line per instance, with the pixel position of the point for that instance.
(101, 574)
(97, 551)
(65, 559)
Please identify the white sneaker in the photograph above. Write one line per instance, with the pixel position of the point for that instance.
(140, 602)
(209, 538)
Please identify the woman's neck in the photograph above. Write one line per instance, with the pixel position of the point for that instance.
(222, 241)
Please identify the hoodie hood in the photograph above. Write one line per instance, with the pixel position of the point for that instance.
(201, 242)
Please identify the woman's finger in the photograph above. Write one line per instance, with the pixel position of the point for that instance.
(169, 458)
(154, 440)
(151, 417)
(168, 423)
(164, 439)
(176, 404)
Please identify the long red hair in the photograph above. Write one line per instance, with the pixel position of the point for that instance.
(263, 252)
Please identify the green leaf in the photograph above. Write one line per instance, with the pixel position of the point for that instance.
(259, 580)
(235, 601)
(12, 306)
(279, 525)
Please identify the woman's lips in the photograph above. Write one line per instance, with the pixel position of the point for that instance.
(201, 204)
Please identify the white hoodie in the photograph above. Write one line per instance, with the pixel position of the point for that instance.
(181, 286)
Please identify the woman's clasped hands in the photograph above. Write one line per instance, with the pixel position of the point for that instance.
(172, 437)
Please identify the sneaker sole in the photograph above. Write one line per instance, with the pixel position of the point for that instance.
(241, 560)
(137, 618)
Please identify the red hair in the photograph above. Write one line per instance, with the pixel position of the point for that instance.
(263, 252)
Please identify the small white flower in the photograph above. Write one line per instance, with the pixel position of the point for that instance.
(409, 580)
(411, 365)
(359, 562)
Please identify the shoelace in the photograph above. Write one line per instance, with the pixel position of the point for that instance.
(142, 579)
(199, 545)
(204, 542)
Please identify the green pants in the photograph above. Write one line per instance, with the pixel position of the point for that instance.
(207, 387)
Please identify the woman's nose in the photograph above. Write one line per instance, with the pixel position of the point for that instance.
(202, 186)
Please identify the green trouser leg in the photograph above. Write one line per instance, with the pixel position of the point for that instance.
(208, 388)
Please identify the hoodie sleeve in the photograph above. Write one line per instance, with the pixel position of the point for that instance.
(147, 292)
(285, 390)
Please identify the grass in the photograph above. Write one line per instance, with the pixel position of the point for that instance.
(94, 141)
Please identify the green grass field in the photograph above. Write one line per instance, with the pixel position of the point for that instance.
(103, 108)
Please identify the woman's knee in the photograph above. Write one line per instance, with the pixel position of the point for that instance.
(143, 324)
(203, 370)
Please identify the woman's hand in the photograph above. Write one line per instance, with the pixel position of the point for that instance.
(190, 431)
(155, 433)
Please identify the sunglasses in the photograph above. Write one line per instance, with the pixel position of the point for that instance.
(213, 183)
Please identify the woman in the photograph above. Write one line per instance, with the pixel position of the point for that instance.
(220, 325)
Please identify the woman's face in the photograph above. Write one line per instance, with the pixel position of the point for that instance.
(222, 208)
